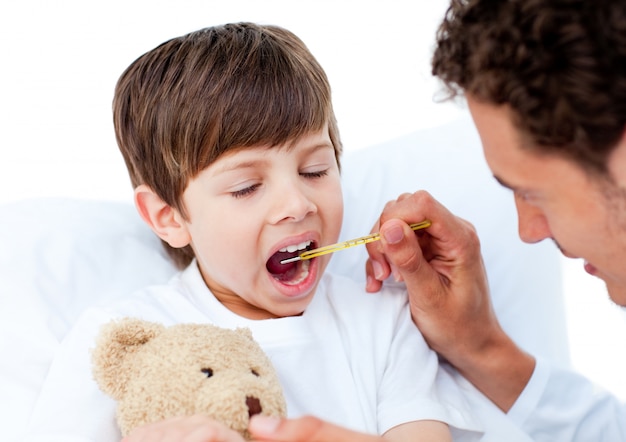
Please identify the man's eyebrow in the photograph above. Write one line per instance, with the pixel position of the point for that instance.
(503, 183)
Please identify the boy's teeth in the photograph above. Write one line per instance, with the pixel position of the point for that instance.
(295, 247)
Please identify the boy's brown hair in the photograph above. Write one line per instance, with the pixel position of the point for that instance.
(560, 65)
(180, 106)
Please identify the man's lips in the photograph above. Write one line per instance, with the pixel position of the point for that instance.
(590, 269)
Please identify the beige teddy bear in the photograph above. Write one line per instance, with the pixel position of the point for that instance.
(155, 372)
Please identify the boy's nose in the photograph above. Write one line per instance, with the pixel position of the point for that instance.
(292, 204)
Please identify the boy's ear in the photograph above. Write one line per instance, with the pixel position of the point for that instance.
(162, 218)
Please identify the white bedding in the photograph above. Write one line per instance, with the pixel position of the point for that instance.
(59, 255)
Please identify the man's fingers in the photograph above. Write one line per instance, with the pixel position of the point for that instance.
(377, 266)
(372, 283)
(403, 250)
(197, 428)
(401, 247)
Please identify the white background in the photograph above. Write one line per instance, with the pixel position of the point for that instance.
(60, 61)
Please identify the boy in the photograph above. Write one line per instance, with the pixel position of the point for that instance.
(232, 147)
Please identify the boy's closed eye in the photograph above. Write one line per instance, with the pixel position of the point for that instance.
(248, 190)
(245, 191)
(315, 174)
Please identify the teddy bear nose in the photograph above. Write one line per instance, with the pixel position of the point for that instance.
(254, 406)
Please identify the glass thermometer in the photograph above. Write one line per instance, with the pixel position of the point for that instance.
(346, 244)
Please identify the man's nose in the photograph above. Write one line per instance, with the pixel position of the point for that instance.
(532, 224)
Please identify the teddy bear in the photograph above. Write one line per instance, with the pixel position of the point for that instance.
(155, 372)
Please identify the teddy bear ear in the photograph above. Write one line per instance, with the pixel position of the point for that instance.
(116, 344)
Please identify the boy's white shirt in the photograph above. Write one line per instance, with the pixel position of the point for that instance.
(352, 358)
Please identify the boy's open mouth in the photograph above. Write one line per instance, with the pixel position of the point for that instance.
(291, 273)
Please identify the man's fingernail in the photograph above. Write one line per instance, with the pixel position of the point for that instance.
(266, 425)
(396, 275)
(378, 270)
(394, 234)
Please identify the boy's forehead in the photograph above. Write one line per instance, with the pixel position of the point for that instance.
(311, 139)
(249, 156)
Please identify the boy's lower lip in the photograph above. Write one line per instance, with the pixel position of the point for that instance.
(303, 287)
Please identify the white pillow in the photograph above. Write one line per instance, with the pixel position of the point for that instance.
(57, 257)
(60, 255)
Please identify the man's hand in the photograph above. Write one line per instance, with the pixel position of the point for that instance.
(196, 428)
(447, 284)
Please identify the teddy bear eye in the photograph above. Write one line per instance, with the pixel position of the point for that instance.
(254, 372)
(207, 371)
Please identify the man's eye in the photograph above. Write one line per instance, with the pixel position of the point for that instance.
(523, 195)
(316, 174)
(245, 191)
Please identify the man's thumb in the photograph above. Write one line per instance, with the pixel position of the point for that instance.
(402, 249)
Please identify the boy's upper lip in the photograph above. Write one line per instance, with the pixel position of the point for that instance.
(295, 240)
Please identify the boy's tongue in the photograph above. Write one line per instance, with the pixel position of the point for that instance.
(281, 271)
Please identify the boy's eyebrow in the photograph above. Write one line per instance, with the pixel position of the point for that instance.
(320, 145)
(228, 166)
(233, 165)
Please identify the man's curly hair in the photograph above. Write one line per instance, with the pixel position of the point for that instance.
(559, 65)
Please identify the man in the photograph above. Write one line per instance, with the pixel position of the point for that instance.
(545, 82)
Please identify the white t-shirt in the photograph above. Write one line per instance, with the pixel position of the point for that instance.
(352, 358)
(560, 405)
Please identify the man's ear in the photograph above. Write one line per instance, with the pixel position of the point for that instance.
(162, 218)
(616, 161)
